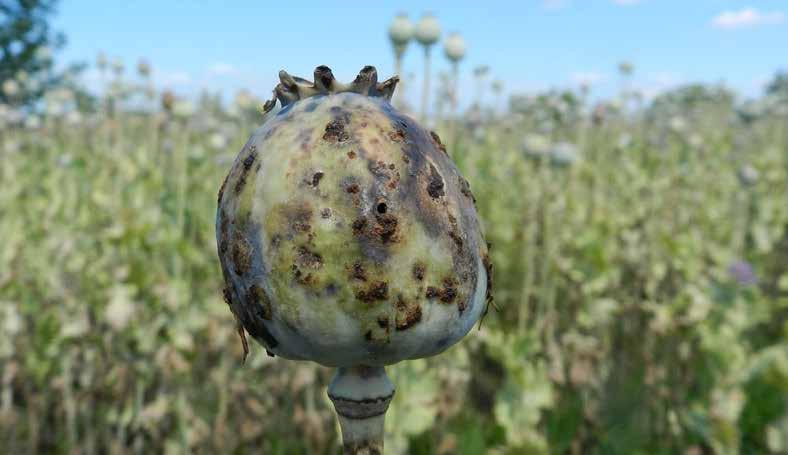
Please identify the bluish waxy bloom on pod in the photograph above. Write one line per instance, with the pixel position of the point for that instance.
(743, 273)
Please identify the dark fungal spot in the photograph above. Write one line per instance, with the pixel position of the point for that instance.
(454, 232)
(259, 302)
(353, 188)
(437, 141)
(301, 278)
(407, 315)
(335, 131)
(432, 292)
(358, 225)
(276, 240)
(385, 228)
(241, 253)
(418, 271)
(381, 208)
(308, 259)
(227, 296)
(397, 135)
(456, 238)
(435, 184)
(221, 190)
(246, 166)
(224, 228)
(351, 154)
(357, 271)
(325, 213)
(446, 294)
(316, 178)
(376, 291)
(299, 218)
(465, 188)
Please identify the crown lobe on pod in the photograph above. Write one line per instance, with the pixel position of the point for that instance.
(291, 89)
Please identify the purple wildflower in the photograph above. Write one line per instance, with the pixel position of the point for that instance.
(743, 273)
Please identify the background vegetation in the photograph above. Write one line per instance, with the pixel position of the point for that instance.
(640, 250)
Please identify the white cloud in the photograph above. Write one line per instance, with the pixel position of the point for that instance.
(747, 17)
(587, 77)
(222, 69)
(626, 2)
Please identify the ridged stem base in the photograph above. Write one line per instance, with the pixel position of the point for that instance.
(361, 397)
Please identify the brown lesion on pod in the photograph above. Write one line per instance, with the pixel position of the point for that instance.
(437, 141)
(445, 294)
(259, 300)
(408, 315)
(419, 269)
(375, 291)
(308, 259)
(241, 251)
(435, 185)
(357, 271)
(246, 166)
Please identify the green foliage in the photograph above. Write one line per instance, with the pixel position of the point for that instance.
(628, 322)
(26, 47)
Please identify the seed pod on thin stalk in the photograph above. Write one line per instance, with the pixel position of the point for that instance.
(347, 237)
(454, 48)
(428, 31)
(400, 34)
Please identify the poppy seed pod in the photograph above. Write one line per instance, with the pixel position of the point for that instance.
(454, 47)
(401, 30)
(347, 237)
(428, 30)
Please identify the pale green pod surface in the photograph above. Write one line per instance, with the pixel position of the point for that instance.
(348, 237)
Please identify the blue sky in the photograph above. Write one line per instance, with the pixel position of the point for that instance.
(529, 45)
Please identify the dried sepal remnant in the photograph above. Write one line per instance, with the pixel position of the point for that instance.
(242, 334)
(291, 89)
(488, 295)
